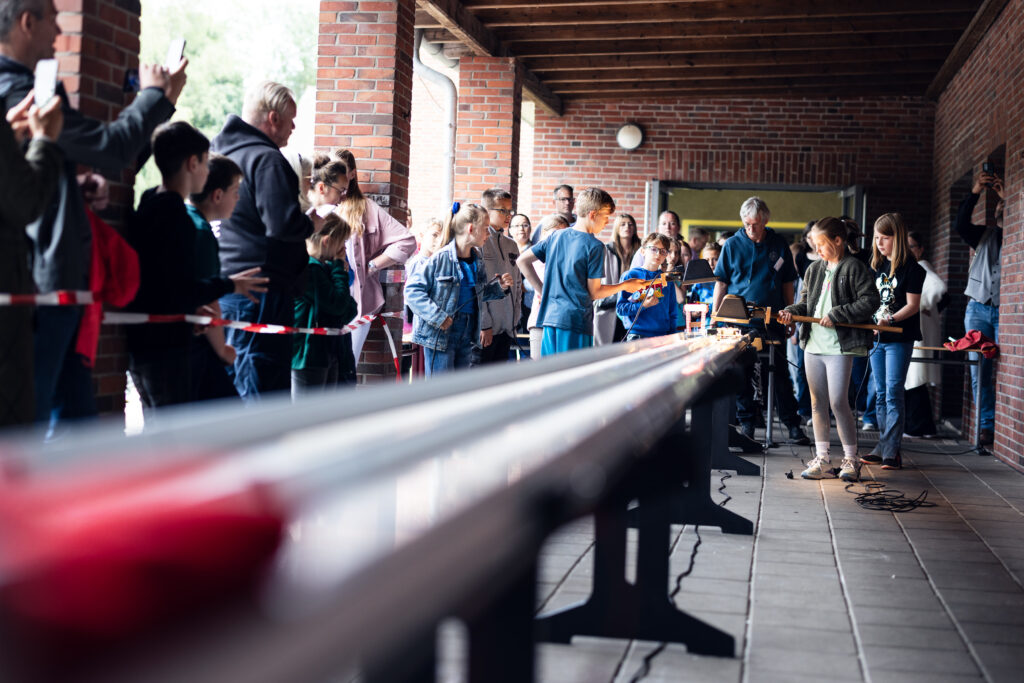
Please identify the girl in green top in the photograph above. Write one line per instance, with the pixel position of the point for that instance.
(837, 289)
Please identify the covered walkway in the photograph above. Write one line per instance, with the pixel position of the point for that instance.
(826, 590)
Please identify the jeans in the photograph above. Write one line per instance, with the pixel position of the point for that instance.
(459, 352)
(985, 319)
(861, 386)
(313, 381)
(889, 364)
(264, 361)
(497, 352)
(63, 385)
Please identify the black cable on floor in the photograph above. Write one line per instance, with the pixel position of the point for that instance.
(877, 496)
(645, 666)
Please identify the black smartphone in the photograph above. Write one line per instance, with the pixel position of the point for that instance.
(987, 167)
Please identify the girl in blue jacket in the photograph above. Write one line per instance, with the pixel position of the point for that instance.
(447, 292)
(649, 312)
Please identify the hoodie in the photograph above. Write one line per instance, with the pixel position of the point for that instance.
(268, 229)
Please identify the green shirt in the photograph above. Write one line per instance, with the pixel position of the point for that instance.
(824, 341)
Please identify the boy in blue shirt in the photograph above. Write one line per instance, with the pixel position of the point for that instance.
(574, 265)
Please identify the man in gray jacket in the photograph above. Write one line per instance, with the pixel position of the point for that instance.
(61, 237)
(26, 184)
(983, 287)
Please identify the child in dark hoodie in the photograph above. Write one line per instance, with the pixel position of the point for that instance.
(164, 237)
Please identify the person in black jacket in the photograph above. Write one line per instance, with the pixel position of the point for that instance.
(164, 236)
(61, 237)
(26, 185)
(267, 230)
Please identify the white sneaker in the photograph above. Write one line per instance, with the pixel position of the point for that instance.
(850, 470)
(815, 468)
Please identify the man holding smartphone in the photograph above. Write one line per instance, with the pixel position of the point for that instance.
(983, 285)
(61, 238)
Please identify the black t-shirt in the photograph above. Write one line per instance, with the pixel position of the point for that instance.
(908, 279)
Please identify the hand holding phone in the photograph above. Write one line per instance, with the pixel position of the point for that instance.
(45, 81)
(175, 52)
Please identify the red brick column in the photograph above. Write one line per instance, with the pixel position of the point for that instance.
(100, 42)
(364, 104)
(487, 132)
(364, 92)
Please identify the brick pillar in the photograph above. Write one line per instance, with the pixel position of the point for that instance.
(487, 132)
(364, 104)
(100, 42)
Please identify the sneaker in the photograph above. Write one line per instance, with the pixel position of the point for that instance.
(815, 468)
(893, 463)
(869, 427)
(986, 437)
(747, 429)
(797, 436)
(850, 470)
(871, 457)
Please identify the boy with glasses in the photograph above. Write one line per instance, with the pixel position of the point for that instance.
(649, 312)
(499, 319)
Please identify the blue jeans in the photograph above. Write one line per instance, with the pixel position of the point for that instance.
(459, 350)
(63, 385)
(264, 361)
(889, 364)
(985, 319)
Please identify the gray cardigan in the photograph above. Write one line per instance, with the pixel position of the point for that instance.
(854, 299)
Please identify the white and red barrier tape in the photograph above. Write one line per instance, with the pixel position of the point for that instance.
(116, 318)
(80, 298)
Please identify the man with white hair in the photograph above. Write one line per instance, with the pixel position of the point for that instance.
(756, 264)
(267, 230)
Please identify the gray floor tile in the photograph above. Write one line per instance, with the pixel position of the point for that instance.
(910, 636)
(919, 661)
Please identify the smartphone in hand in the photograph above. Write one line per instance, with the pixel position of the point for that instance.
(46, 81)
(175, 52)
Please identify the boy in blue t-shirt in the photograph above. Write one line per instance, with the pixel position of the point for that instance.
(574, 265)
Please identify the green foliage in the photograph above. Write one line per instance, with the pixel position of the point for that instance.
(230, 44)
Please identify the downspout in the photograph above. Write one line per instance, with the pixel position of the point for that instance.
(448, 179)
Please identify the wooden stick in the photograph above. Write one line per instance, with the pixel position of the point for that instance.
(859, 326)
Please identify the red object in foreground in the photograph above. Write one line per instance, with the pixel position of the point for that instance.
(107, 559)
(974, 340)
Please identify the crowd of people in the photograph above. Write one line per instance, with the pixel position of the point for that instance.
(303, 246)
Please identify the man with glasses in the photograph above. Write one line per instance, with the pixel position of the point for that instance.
(564, 203)
(756, 264)
(499, 319)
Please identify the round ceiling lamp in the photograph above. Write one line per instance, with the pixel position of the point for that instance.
(630, 136)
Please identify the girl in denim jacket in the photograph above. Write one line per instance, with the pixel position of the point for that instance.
(446, 293)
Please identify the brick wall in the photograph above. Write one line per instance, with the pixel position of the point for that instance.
(364, 104)
(487, 132)
(364, 92)
(980, 111)
(881, 143)
(100, 42)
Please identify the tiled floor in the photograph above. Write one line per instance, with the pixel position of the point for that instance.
(826, 590)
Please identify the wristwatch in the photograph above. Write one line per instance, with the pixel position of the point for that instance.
(371, 267)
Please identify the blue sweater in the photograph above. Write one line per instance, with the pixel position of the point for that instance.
(655, 321)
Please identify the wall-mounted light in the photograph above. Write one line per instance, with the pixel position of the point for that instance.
(630, 136)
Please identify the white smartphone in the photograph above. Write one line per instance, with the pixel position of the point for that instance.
(46, 81)
(174, 53)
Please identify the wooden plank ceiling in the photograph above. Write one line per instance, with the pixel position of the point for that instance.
(597, 49)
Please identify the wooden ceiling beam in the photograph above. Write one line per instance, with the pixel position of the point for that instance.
(910, 80)
(782, 28)
(458, 21)
(767, 93)
(771, 59)
(555, 79)
(710, 10)
(881, 41)
(973, 34)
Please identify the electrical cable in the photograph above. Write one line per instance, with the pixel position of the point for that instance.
(877, 496)
(645, 665)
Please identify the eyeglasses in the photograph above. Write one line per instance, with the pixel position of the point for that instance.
(564, 199)
(503, 212)
(657, 250)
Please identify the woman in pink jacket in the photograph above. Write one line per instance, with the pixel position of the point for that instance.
(378, 241)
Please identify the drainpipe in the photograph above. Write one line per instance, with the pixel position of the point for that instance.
(448, 179)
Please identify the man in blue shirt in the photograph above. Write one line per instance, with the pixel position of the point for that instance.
(757, 265)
